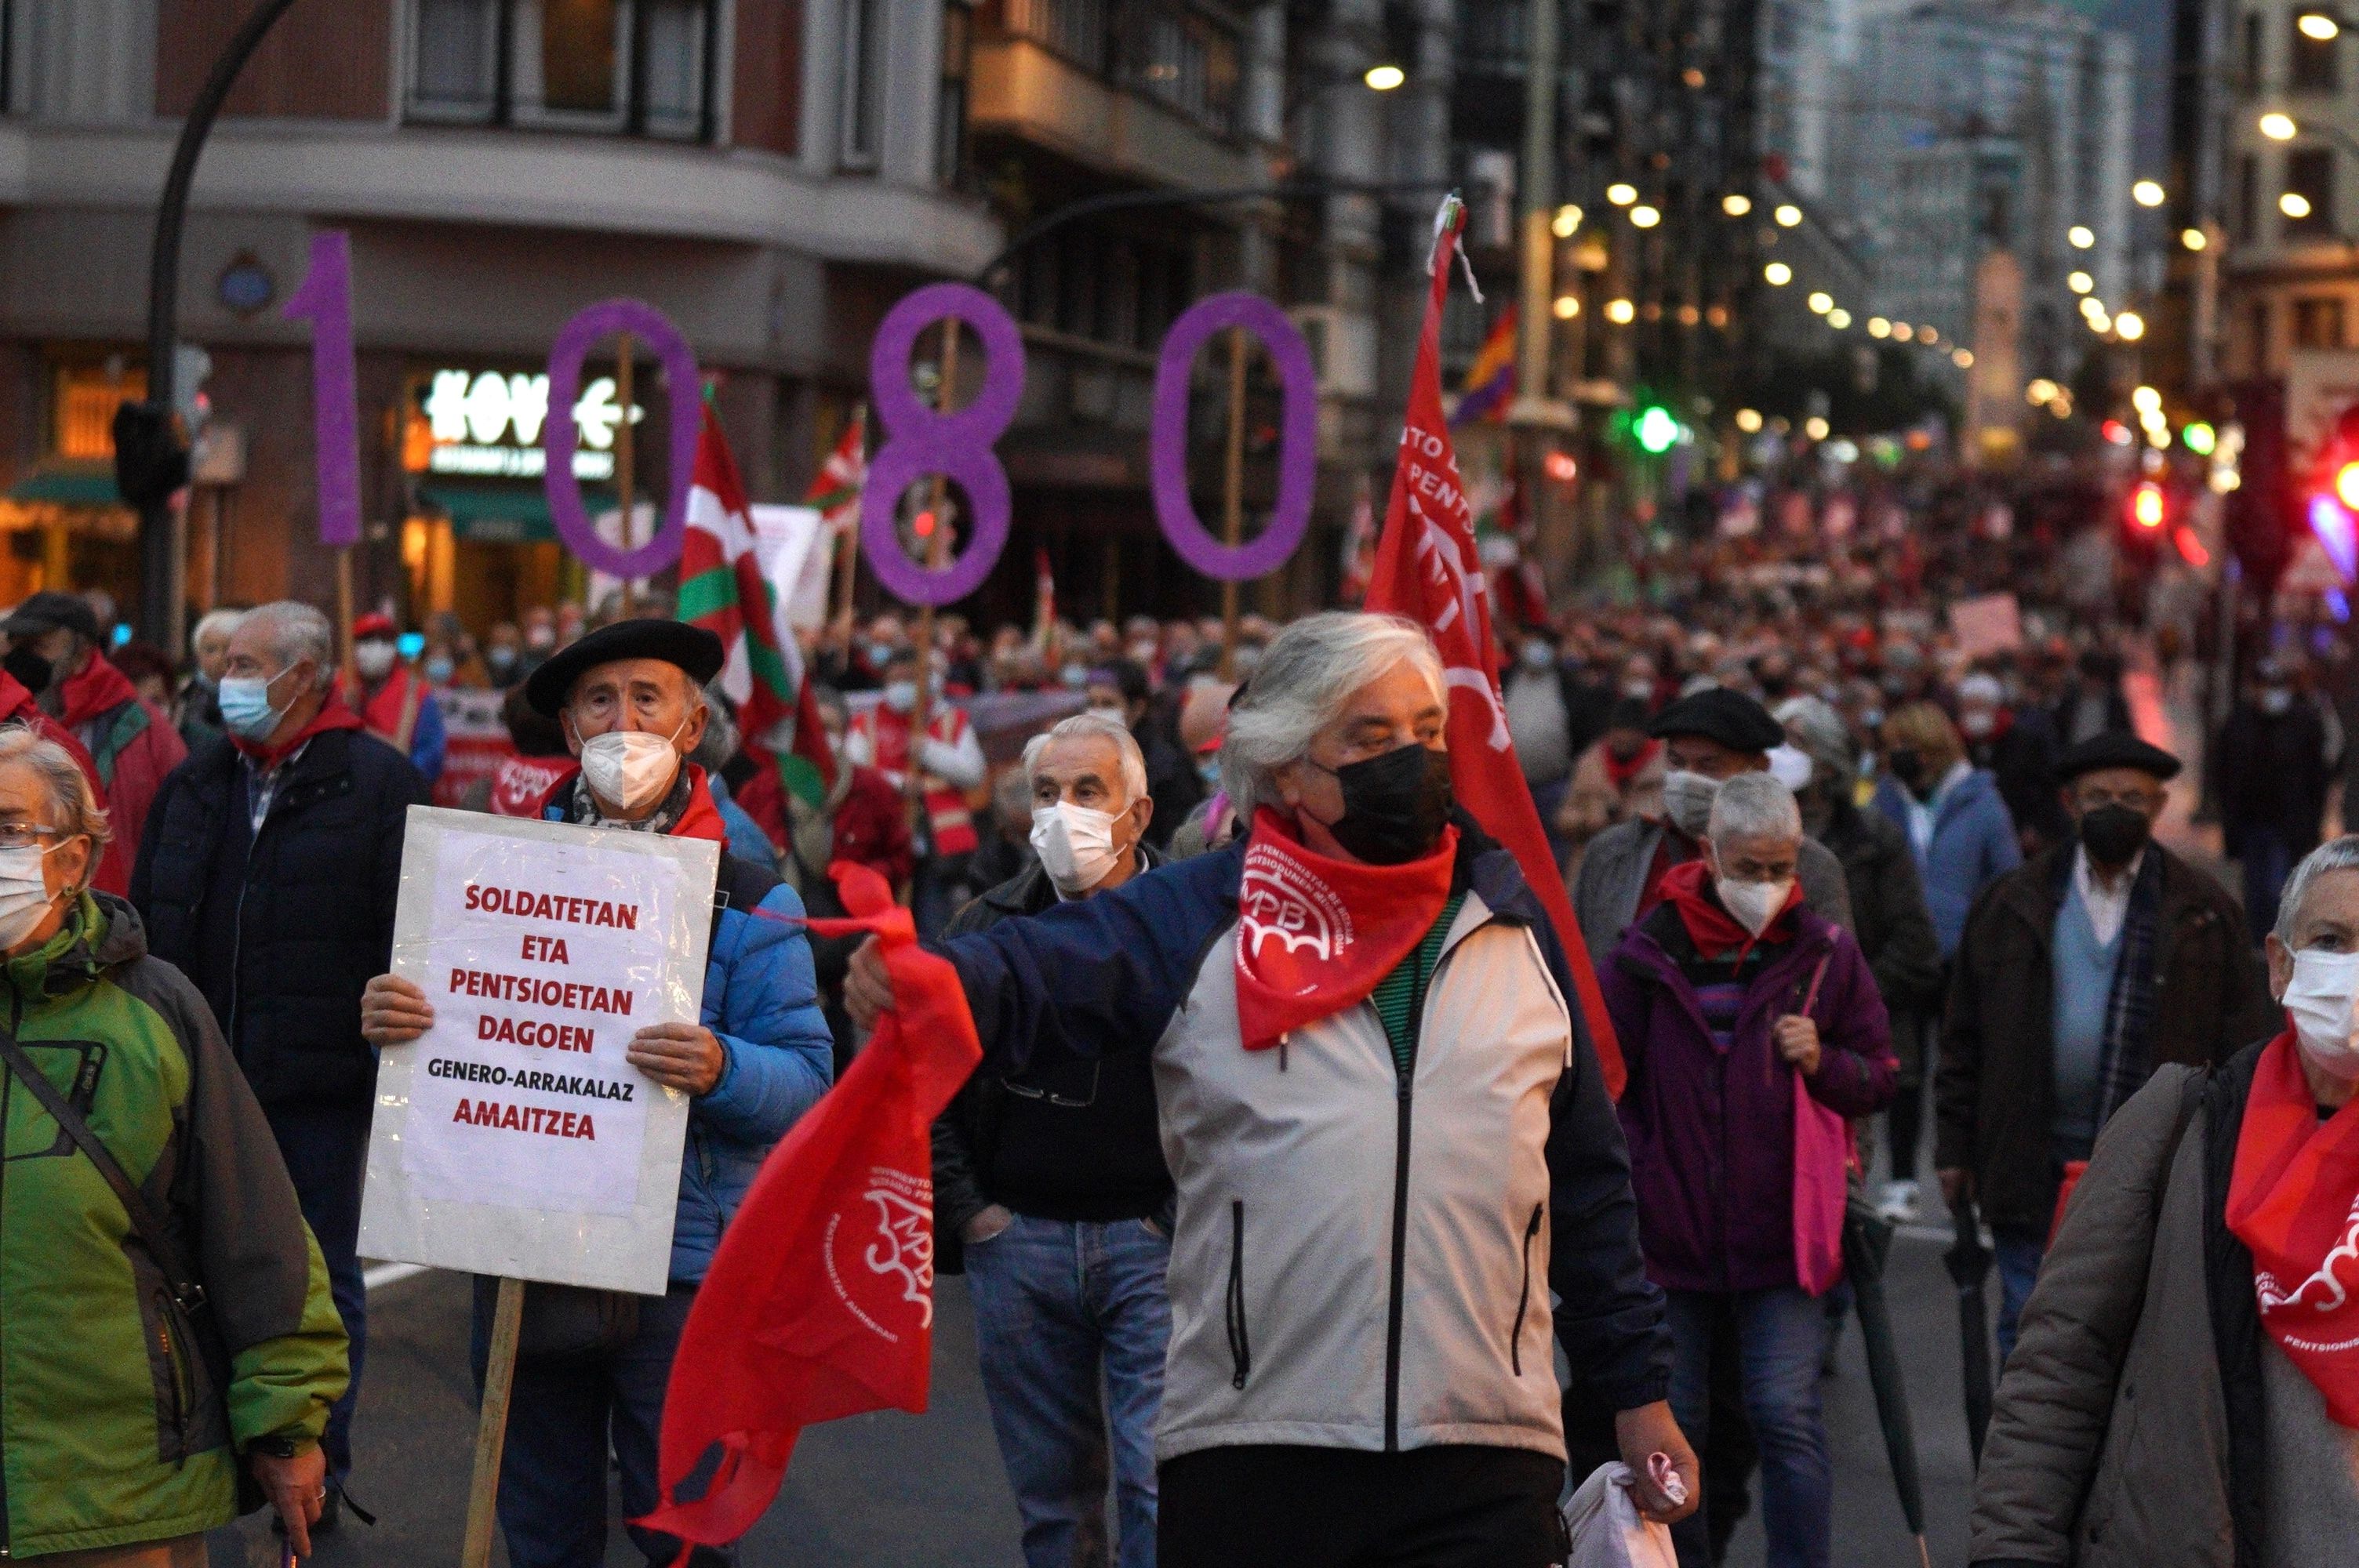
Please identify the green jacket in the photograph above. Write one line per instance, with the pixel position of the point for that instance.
(121, 1420)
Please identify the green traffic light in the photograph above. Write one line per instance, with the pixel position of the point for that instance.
(1656, 430)
(2198, 439)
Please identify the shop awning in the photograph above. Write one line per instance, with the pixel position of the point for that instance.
(500, 514)
(67, 487)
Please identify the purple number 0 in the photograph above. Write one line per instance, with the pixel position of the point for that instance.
(681, 390)
(1297, 452)
(921, 441)
(325, 299)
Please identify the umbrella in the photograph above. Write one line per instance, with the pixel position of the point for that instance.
(1969, 1263)
(1868, 1241)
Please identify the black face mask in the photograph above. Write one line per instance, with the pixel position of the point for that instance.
(1906, 765)
(2114, 834)
(1394, 805)
(29, 667)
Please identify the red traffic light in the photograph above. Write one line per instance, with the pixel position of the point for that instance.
(2149, 509)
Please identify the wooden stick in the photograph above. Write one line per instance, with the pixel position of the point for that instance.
(492, 1429)
(344, 616)
(625, 454)
(938, 550)
(1233, 512)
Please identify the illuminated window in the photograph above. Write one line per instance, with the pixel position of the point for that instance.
(640, 67)
(83, 398)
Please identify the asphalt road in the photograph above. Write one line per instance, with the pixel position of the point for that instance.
(900, 1491)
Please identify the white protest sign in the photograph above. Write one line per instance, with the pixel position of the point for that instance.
(791, 542)
(512, 1139)
(1990, 625)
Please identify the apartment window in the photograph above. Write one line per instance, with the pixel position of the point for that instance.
(949, 110)
(636, 67)
(2258, 328)
(2248, 197)
(861, 97)
(1187, 62)
(1074, 29)
(82, 400)
(2252, 62)
(2318, 323)
(2310, 63)
(2310, 173)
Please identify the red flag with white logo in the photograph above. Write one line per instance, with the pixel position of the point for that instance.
(1427, 569)
(820, 1300)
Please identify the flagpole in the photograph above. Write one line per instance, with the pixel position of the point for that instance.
(847, 540)
(937, 556)
(1232, 498)
(625, 452)
(492, 1426)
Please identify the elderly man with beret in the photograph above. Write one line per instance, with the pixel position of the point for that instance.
(630, 699)
(2079, 974)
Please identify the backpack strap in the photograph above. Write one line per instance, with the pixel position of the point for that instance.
(144, 1221)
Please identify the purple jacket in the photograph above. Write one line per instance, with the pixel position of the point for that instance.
(1711, 1139)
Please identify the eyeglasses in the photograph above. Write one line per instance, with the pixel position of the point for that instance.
(25, 835)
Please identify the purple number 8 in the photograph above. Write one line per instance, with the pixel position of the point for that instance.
(684, 393)
(922, 441)
(1298, 453)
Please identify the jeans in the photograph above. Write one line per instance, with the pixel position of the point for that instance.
(1063, 1310)
(1779, 1334)
(563, 1413)
(2269, 861)
(2018, 1253)
(326, 1150)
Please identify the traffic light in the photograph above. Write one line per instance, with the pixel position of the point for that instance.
(149, 461)
(2148, 508)
(1656, 430)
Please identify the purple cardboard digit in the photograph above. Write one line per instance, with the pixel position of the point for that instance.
(684, 405)
(325, 299)
(923, 441)
(1297, 452)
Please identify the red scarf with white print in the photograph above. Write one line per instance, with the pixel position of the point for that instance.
(2294, 1201)
(1315, 935)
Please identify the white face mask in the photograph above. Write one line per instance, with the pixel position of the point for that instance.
(1791, 766)
(630, 768)
(25, 896)
(1754, 904)
(1076, 846)
(1112, 711)
(373, 659)
(901, 696)
(2319, 1001)
(1687, 801)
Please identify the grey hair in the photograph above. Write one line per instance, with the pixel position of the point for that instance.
(2334, 855)
(720, 740)
(1299, 685)
(1820, 733)
(297, 631)
(225, 621)
(1753, 806)
(74, 805)
(1104, 727)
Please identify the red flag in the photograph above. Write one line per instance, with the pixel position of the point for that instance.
(820, 1300)
(1427, 570)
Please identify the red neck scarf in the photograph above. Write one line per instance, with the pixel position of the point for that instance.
(97, 687)
(2294, 1200)
(332, 715)
(1712, 929)
(1315, 935)
(1619, 772)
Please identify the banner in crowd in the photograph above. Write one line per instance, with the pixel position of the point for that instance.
(512, 1139)
(476, 740)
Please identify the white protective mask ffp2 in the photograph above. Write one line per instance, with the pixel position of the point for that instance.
(25, 895)
(2319, 1000)
(1076, 846)
(630, 767)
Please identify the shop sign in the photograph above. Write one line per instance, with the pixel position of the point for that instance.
(486, 425)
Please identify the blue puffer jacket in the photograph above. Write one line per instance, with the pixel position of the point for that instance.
(1974, 846)
(761, 1000)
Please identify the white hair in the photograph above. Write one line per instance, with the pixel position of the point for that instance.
(73, 806)
(297, 632)
(1819, 730)
(2334, 855)
(1102, 726)
(1299, 688)
(1753, 806)
(224, 621)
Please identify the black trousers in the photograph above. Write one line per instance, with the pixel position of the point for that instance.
(1272, 1507)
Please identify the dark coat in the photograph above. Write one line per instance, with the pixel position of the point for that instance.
(2271, 774)
(1995, 1092)
(311, 922)
(1887, 910)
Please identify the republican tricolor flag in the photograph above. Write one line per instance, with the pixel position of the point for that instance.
(1427, 569)
(723, 590)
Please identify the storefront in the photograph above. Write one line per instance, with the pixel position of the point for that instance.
(62, 520)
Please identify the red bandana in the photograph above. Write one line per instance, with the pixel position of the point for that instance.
(97, 687)
(1712, 929)
(1619, 772)
(2294, 1200)
(332, 715)
(1315, 935)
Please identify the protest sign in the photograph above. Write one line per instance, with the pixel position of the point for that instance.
(512, 1139)
(1990, 625)
(476, 740)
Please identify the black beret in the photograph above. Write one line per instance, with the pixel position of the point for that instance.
(1716, 713)
(2115, 749)
(48, 611)
(692, 648)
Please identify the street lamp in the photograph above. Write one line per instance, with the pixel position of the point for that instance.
(1567, 218)
(1877, 327)
(1736, 204)
(1643, 217)
(1621, 193)
(2081, 236)
(1567, 306)
(1839, 317)
(1778, 275)
(1820, 302)
(2079, 282)
(2192, 239)
(2279, 126)
(2294, 205)
(1963, 358)
(1385, 77)
(1902, 332)
(2319, 27)
(1621, 312)
(1788, 215)
(2148, 193)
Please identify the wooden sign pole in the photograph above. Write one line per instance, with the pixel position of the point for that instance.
(938, 551)
(625, 452)
(1232, 498)
(491, 1427)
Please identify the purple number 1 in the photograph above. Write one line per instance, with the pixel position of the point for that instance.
(325, 300)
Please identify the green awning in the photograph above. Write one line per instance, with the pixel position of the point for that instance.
(67, 487)
(501, 515)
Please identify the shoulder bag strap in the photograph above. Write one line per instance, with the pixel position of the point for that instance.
(144, 1217)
